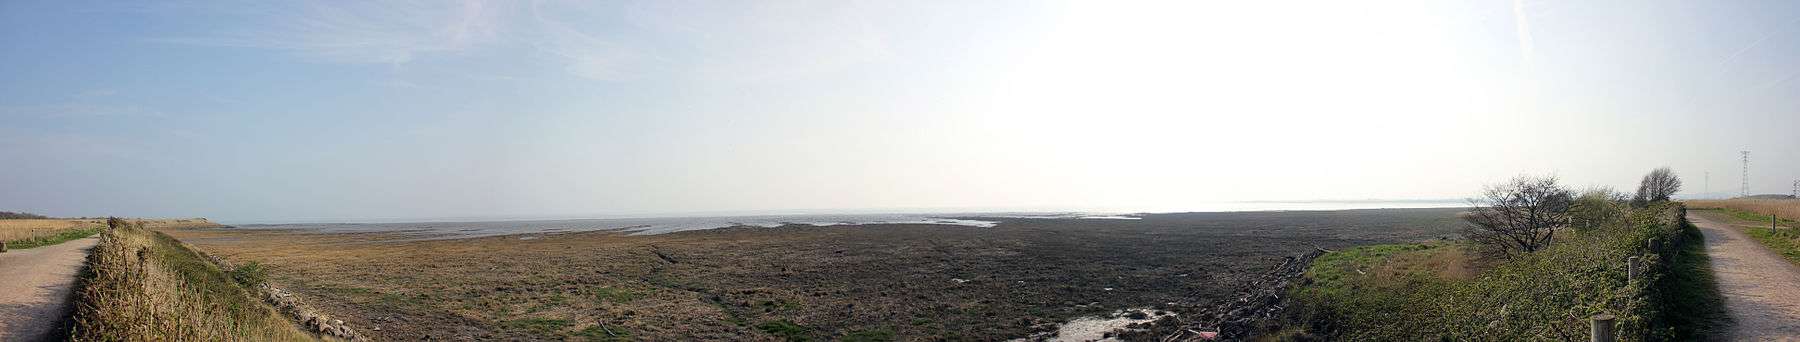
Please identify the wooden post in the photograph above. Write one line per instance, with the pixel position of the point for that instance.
(1602, 328)
(1632, 268)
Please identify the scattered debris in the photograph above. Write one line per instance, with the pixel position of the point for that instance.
(664, 257)
(1260, 300)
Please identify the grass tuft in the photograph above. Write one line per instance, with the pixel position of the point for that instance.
(786, 329)
(539, 325)
(614, 294)
(872, 335)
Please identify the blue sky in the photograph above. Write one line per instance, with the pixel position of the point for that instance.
(431, 109)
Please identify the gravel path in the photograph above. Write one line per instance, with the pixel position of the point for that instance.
(1762, 290)
(34, 288)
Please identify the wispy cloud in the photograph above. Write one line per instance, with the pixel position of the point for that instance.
(79, 110)
(362, 32)
(584, 54)
(720, 42)
(607, 41)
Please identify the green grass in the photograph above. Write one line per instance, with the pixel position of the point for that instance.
(786, 330)
(59, 237)
(1689, 296)
(538, 325)
(615, 295)
(871, 335)
(1335, 269)
(1783, 242)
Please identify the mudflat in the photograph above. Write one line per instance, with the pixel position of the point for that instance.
(891, 281)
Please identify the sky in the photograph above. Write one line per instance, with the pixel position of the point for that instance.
(357, 110)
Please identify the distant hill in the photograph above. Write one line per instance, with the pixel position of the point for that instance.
(1768, 196)
(7, 215)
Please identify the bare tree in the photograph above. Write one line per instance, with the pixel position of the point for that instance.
(1657, 186)
(1519, 216)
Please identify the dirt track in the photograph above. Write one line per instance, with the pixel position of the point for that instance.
(34, 288)
(1762, 290)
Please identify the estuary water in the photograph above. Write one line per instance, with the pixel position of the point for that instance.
(661, 225)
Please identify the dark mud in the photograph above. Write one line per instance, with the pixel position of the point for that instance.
(905, 282)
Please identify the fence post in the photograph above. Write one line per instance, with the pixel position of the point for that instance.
(1602, 328)
(1632, 268)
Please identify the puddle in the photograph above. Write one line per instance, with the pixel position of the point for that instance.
(1095, 328)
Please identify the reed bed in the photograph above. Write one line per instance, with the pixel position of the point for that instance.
(24, 233)
(143, 285)
(1785, 208)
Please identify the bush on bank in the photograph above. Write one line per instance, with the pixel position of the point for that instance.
(1548, 294)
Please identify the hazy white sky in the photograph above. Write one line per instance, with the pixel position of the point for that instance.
(359, 110)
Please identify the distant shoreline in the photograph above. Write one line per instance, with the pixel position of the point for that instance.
(664, 225)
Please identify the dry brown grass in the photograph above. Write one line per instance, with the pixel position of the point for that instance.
(145, 286)
(15, 230)
(1786, 208)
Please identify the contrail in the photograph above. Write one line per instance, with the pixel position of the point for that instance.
(1524, 27)
(1726, 63)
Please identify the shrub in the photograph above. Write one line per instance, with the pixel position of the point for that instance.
(1598, 207)
(250, 274)
(1519, 216)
